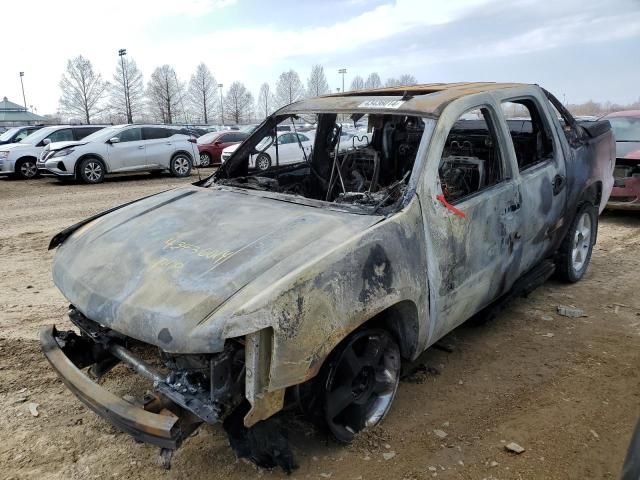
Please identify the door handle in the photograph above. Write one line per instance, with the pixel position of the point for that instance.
(140, 146)
(559, 182)
(168, 143)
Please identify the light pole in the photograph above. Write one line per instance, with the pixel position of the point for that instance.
(125, 84)
(24, 99)
(221, 105)
(342, 71)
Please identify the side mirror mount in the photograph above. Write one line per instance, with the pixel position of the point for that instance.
(46, 141)
(217, 142)
(114, 140)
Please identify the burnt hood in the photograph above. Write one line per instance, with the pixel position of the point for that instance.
(156, 269)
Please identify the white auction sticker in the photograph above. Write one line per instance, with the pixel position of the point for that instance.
(381, 103)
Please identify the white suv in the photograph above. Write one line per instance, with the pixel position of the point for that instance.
(122, 149)
(19, 159)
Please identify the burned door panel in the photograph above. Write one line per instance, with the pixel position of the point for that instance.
(541, 176)
(476, 241)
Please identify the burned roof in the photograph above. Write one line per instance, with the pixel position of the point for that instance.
(426, 99)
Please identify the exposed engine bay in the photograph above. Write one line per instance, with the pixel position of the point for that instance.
(369, 166)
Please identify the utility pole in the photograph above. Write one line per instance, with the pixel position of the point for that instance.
(221, 105)
(184, 112)
(342, 71)
(24, 99)
(125, 83)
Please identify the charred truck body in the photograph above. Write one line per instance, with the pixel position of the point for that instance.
(313, 280)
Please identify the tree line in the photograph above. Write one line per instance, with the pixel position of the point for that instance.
(88, 97)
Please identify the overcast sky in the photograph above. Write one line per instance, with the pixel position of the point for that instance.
(579, 48)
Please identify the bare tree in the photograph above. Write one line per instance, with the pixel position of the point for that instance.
(266, 100)
(392, 82)
(202, 92)
(238, 103)
(407, 79)
(165, 93)
(317, 82)
(127, 90)
(289, 88)
(82, 89)
(357, 83)
(373, 81)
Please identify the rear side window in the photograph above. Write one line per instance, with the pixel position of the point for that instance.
(80, 133)
(154, 133)
(529, 131)
(130, 135)
(286, 138)
(64, 135)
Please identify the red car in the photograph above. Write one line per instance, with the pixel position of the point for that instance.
(626, 187)
(211, 145)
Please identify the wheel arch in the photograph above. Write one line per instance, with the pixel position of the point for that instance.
(182, 152)
(591, 193)
(401, 319)
(76, 166)
(20, 160)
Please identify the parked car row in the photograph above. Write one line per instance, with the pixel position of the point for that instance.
(211, 145)
(89, 152)
(19, 159)
(293, 147)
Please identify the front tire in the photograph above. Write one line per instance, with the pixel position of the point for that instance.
(180, 165)
(91, 171)
(575, 252)
(26, 168)
(263, 162)
(357, 384)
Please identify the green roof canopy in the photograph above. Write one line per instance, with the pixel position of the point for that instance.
(13, 113)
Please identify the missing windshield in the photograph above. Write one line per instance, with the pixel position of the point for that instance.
(341, 158)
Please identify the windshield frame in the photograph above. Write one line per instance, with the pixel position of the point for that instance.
(272, 121)
(212, 135)
(10, 133)
(103, 134)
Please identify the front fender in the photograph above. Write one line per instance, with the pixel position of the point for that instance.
(310, 310)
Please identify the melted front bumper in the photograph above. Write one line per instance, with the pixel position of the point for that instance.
(165, 429)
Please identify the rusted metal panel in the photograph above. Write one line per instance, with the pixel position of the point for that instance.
(426, 100)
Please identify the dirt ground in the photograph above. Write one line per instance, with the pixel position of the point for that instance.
(565, 389)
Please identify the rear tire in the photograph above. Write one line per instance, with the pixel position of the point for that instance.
(575, 252)
(180, 165)
(205, 160)
(26, 168)
(91, 171)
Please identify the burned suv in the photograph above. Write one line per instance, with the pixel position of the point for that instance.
(312, 281)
